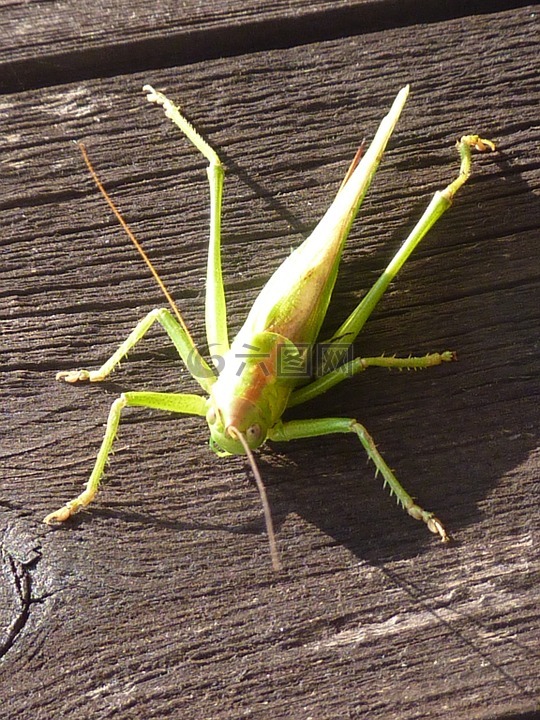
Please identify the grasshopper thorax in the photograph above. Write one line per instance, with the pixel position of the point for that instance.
(251, 392)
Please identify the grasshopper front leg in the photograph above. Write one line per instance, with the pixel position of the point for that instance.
(297, 429)
(179, 403)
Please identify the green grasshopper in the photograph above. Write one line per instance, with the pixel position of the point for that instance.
(265, 370)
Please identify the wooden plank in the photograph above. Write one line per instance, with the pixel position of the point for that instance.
(160, 600)
(44, 43)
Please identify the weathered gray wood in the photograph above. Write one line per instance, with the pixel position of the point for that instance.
(160, 600)
(43, 43)
(46, 43)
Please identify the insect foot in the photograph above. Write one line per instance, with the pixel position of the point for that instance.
(73, 376)
(433, 523)
(61, 515)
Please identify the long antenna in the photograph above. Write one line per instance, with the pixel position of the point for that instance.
(276, 564)
(132, 237)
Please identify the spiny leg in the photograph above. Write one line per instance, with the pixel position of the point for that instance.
(216, 311)
(358, 365)
(441, 201)
(197, 366)
(297, 429)
(180, 403)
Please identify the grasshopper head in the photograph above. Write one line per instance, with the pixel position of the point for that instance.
(240, 417)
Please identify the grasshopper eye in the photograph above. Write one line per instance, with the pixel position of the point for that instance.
(211, 416)
(253, 433)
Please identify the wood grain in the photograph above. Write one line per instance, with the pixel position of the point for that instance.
(45, 43)
(160, 601)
